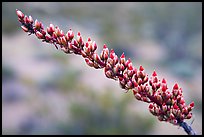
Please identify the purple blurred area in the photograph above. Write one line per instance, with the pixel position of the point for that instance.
(45, 91)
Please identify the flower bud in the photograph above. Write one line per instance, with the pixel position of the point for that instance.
(96, 57)
(130, 70)
(137, 96)
(174, 121)
(145, 79)
(157, 110)
(30, 19)
(52, 28)
(26, 20)
(76, 43)
(63, 40)
(83, 53)
(70, 34)
(116, 68)
(39, 35)
(61, 33)
(112, 54)
(154, 74)
(109, 74)
(182, 101)
(122, 59)
(146, 99)
(43, 32)
(192, 104)
(172, 116)
(141, 68)
(70, 46)
(79, 38)
(122, 67)
(57, 31)
(160, 118)
(129, 84)
(189, 116)
(47, 38)
(96, 66)
(164, 107)
(37, 25)
(185, 110)
(122, 82)
(59, 40)
(93, 46)
(20, 14)
(127, 62)
(89, 62)
(139, 81)
(54, 35)
(151, 108)
(24, 28)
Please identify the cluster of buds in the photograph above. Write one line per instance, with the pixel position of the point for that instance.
(167, 105)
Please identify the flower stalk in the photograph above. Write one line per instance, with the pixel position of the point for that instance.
(166, 104)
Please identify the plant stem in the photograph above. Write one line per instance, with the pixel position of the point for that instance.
(187, 128)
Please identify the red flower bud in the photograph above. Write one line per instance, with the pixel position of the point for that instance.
(122, 67)
(59, 40)
(145, 79)
(189, 116)
(164, 107)
(163, 81)
(109, 74)
(89, 62)
(127, 62)
(141, 68)
(93, 46)
(79, 38)
(182, 101)
(70, 47)
(63, 40)
(43, 32)
(39, 35)
(52, 28)
(122, 58)
(112, 54)
(175, 106)
(76, 43)
(24, 28)
(137, 96)
(70, 34)
(30, 19)
(116, 68)
(176, 86)
(26, 20)
(96, 57)
(146, 99)
(154, 74)
(192, 104)
(172, 116)
(164, 87)
(54, 35)
(139, 81)
(58, 32)
(129, 85)
(83, 54)
(151, 105)
(37, 25)
(20, 14)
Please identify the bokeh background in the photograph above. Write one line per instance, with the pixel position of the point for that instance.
(45, 91)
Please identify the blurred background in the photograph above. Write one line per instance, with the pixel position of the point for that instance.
(45, 91)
